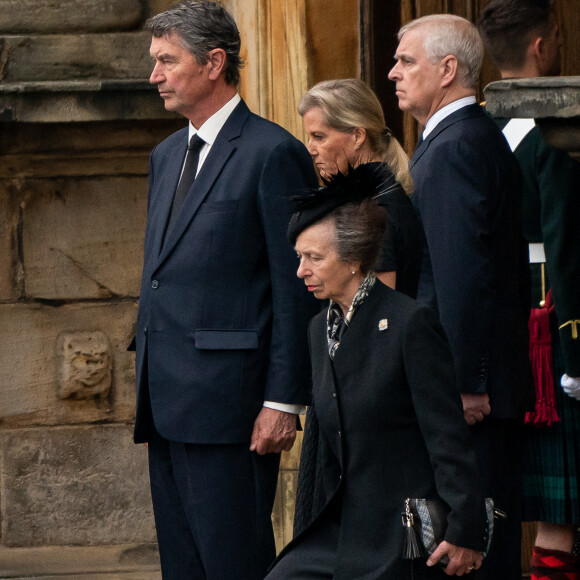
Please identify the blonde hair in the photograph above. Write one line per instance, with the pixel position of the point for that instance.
(350, 103)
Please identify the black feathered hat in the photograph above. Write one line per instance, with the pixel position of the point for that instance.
(368, 180)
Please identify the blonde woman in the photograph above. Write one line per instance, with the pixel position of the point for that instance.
(346, 127)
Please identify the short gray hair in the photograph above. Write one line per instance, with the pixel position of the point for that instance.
(446, 34)
(360, 230)
(202, 26)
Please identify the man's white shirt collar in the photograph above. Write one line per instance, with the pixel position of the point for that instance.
(211, 128)
(441, 114)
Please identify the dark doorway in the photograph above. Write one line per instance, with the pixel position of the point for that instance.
(380, 22)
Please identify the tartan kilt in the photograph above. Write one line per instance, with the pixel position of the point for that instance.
(552, 457)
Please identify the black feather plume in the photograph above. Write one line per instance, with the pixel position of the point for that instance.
(368, 180)
(357, 184)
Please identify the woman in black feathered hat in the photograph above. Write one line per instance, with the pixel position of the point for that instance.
(346, 126)
(386, 421)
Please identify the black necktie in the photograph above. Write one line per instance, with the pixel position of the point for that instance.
(187, 178)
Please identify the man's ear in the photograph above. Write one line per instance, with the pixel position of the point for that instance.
(536, 48)
(216, 62)
(536, 55)
(448, 69)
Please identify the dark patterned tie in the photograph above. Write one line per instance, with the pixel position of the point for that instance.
(187, 179)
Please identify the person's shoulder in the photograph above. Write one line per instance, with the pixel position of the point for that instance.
(317, 324)
(402, 312)
(269, 132)
(477, 120)
(320, 316)
(385, 297)
(400, 305)
(474, 133)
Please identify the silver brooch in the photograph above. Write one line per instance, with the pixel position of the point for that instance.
(383, 324)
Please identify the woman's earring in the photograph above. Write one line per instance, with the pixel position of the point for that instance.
(353, 272)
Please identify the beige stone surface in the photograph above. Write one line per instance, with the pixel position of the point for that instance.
(81, 485)
(283, 513)
(8, 250)
(83, 238)
(537, 98)
(77, 121)
(96, 575)
(112, 562)
(48, 16)
(122, 55)
(28, 372)
(80, 101)
(79, 149)
(291, 459)
(72, 138)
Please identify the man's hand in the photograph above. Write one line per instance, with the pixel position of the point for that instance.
(274, 431)
(475, 407)
(461, 560)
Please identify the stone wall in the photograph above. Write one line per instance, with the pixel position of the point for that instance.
(77, 122)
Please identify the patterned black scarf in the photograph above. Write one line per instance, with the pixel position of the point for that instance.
(336, 323)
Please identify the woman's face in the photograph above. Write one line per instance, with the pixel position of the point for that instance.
(330, 149)
(323, 273)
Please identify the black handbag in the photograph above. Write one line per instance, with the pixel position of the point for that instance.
(425, 523)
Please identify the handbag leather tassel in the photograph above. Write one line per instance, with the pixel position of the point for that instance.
(412, 549)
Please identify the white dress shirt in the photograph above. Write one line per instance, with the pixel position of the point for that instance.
(211, 128)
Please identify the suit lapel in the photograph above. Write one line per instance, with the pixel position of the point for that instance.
(420, 149)
(168, 183)
(459, 115)
(222, 149)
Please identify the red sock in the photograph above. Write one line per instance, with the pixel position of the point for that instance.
(554, 565)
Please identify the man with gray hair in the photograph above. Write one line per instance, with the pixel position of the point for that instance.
(222, 359)
(468, 196)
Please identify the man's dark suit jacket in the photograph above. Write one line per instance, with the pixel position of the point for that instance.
(222, 316)
(468, 196)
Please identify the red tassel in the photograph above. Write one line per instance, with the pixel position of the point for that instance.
(545, 412)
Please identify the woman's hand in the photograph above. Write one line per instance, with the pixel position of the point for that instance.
(461, 560)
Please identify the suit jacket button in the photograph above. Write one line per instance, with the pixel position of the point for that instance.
(339, 434)
(334, 395)
(154, 284)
